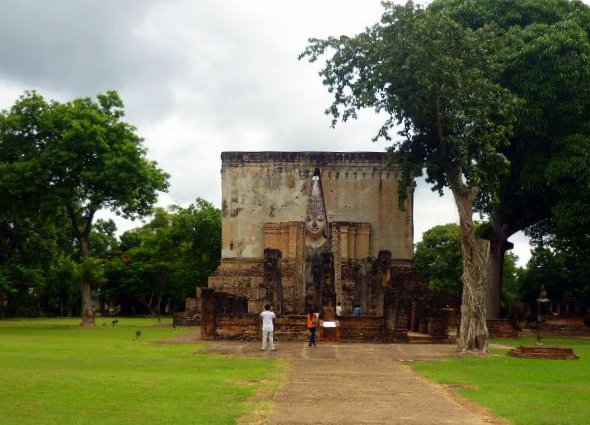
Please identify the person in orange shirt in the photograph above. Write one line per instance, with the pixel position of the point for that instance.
(313, 320)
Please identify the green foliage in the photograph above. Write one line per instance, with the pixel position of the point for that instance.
(166, 259)
(103, 238)
(29, 250)
(568, 173)
(505, 83)
(493, 93)
(439, 260)
(196, 231)
(77, 153)
(23, 285)
(543, 53)
(564, 271)
(54, 372)
(62, 293)
(438, 79)
(512, 280)
(523, 391)
(150, 268)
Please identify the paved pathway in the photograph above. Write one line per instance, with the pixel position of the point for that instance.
(360, 384)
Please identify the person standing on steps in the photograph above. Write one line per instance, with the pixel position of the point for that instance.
(313, 320)
(268, 318)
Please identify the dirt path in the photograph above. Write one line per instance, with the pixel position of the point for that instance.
(360, 384)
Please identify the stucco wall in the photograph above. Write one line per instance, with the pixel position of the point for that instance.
(273, 187)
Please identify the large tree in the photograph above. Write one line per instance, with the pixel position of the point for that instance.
(80, 157)
(542, 51)
(435, 78)
(510, 78)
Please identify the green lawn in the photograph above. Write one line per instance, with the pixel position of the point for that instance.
(54, 372)
(524, 391)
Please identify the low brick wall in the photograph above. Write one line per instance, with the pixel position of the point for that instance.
(573, 326)
(362, 328)
(187, 318)
(292, 327)
(539, 352)
(236, 326)
(501, 328)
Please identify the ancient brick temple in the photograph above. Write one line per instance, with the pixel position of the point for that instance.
(306, 230)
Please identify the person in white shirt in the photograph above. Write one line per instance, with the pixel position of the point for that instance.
(268, 318)
(338, 310)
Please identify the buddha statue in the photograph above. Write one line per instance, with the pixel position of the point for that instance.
(316, 223)
(317, 244)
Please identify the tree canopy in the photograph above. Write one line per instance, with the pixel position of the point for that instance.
(75, 158)
(543, 54)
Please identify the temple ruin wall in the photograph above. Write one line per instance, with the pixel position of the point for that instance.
(261, 188)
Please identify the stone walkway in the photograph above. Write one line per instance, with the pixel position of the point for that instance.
(360, 384)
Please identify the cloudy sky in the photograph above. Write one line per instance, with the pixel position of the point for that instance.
(199, 77)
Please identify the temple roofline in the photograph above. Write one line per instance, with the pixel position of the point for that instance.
(310, 157)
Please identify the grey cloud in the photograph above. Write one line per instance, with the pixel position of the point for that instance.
(197, 77)
(78, 48)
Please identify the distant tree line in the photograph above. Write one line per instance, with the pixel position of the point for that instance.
(561, 265)
(149, 270)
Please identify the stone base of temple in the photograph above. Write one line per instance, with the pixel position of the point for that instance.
(391, 296)
(292, 327)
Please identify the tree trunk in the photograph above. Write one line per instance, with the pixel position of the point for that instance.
(150, 305)
(494, 276)
(474, 331)
(83, 236)
(158, 312)
(498, 246)
(87, 305)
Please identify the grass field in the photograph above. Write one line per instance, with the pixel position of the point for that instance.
(54, 372)
(524, 391)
